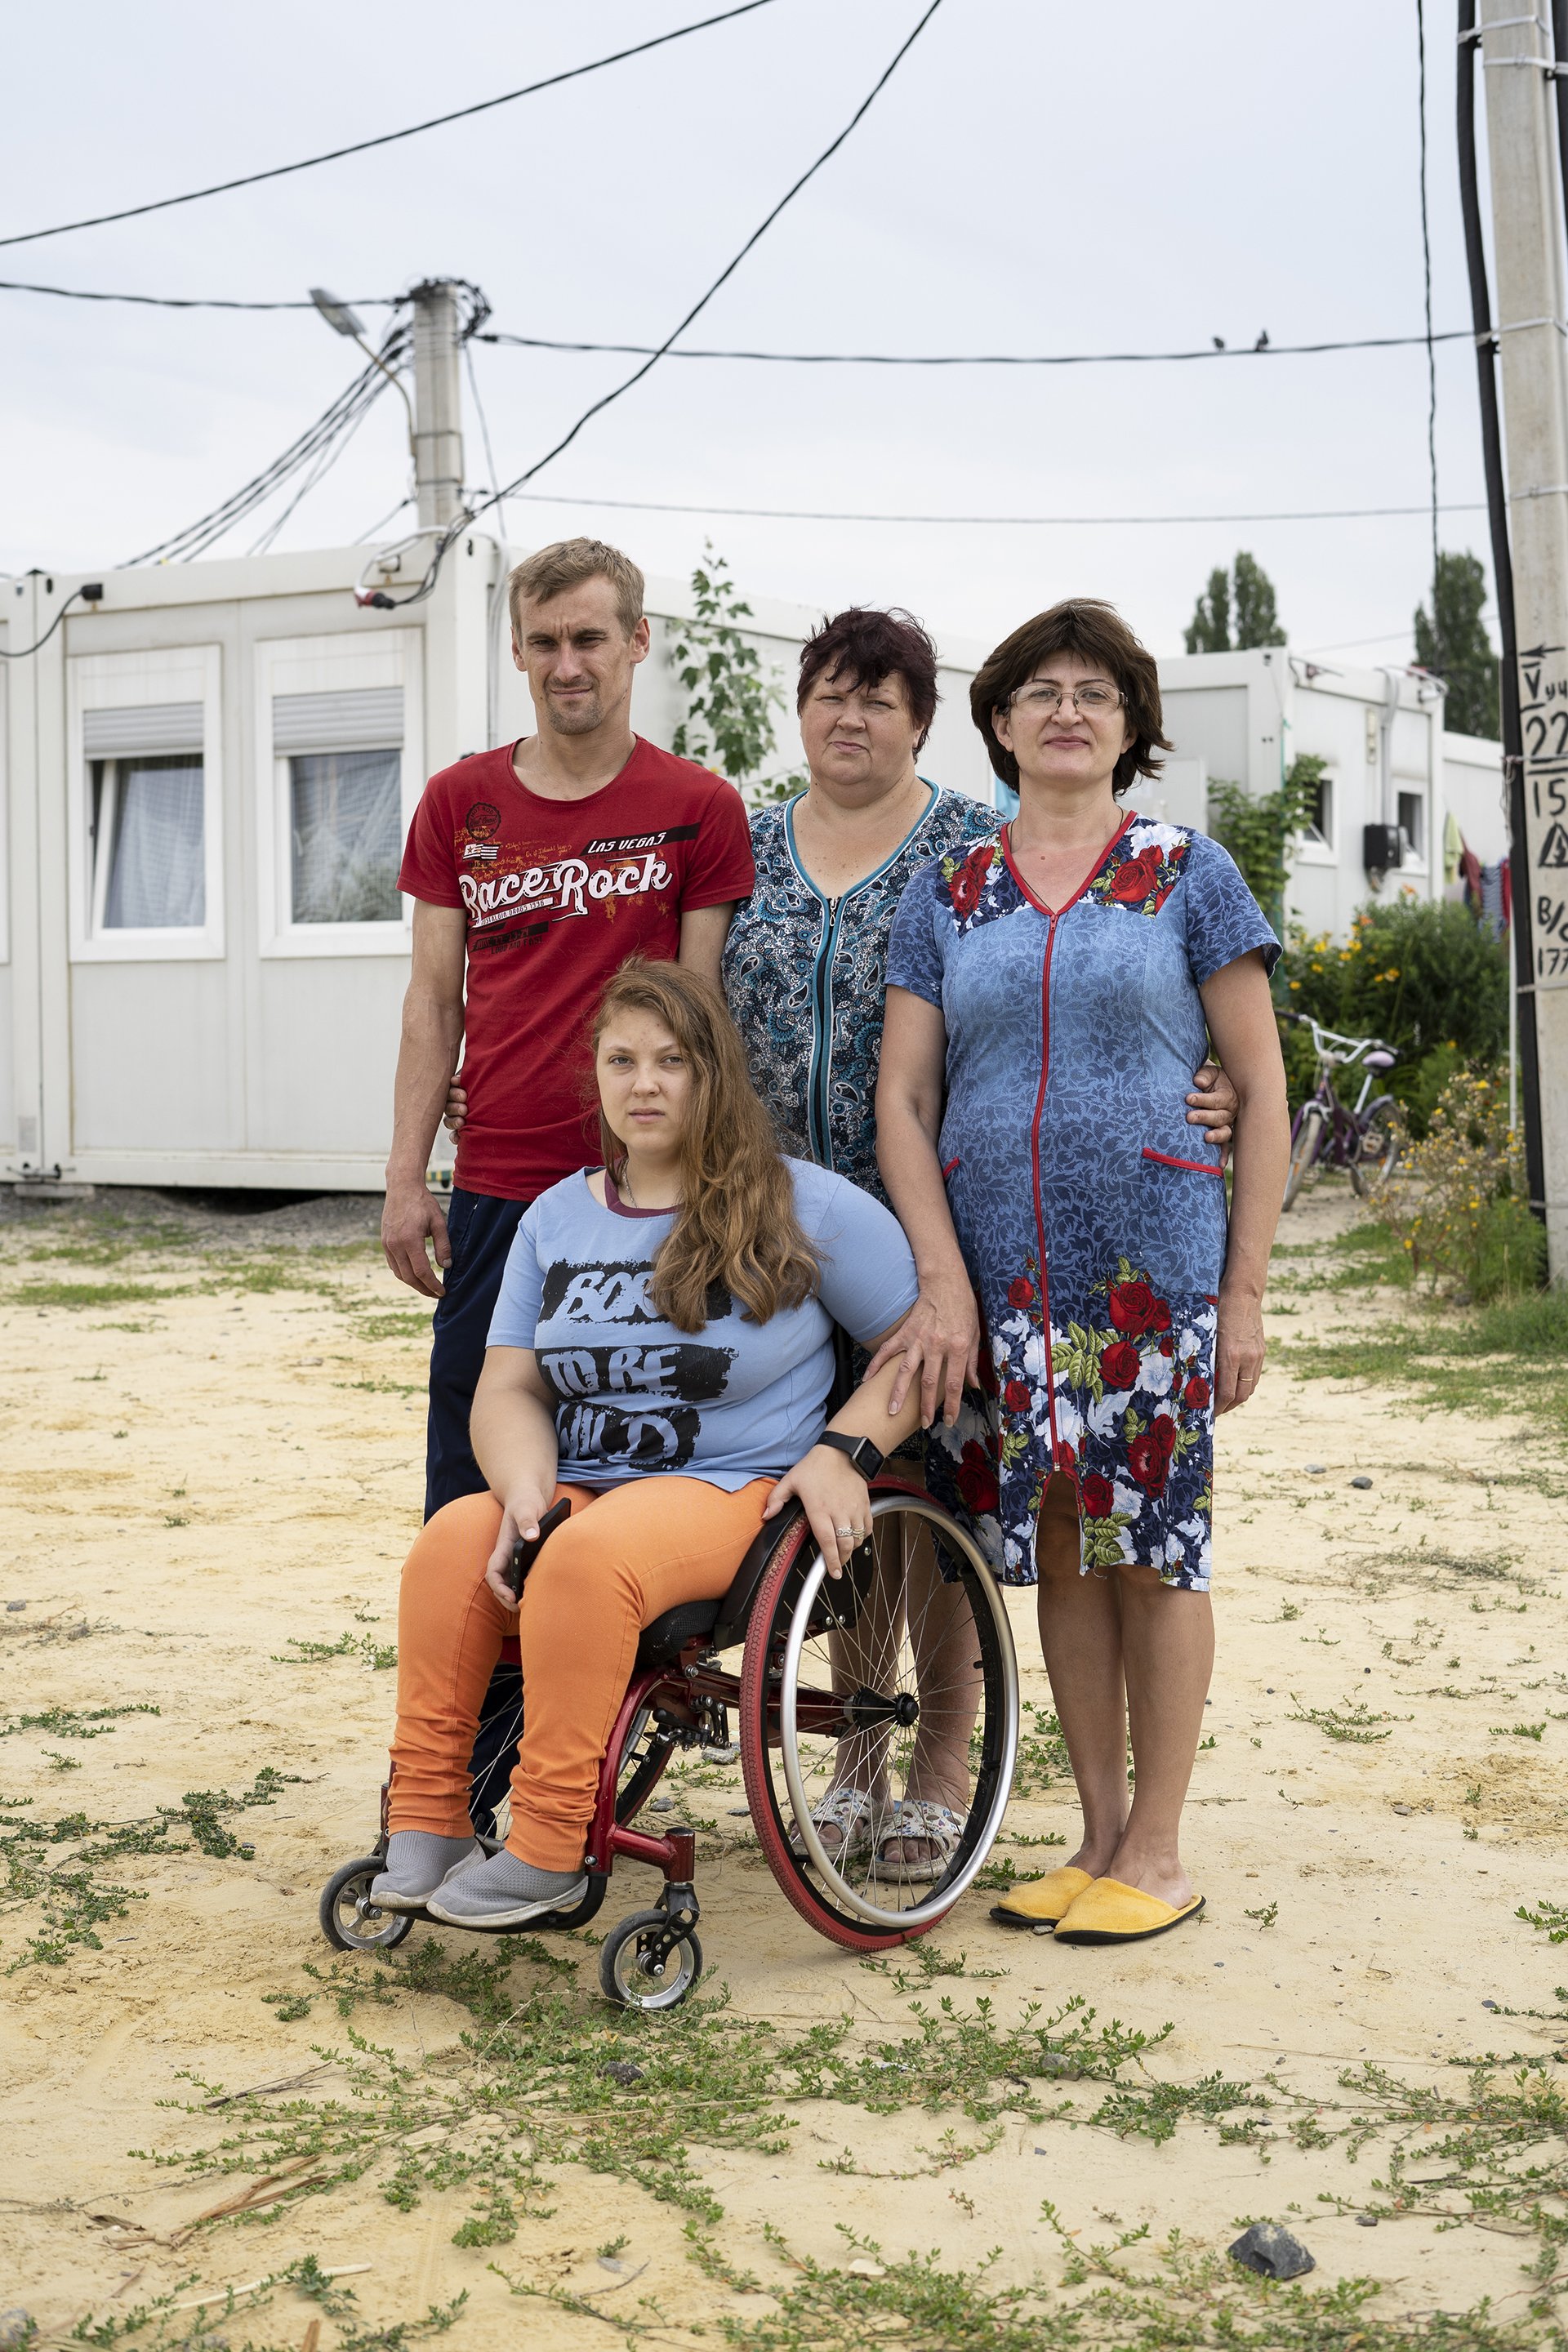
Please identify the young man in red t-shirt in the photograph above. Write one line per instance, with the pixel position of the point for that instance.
(536, 869)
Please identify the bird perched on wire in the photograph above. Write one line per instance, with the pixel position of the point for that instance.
(1218, 341)
(1262, 343)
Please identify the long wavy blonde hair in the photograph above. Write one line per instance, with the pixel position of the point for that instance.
(736, 1228)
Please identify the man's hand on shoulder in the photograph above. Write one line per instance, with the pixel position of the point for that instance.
(412, 1222)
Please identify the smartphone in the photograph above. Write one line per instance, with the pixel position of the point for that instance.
(524, 1554)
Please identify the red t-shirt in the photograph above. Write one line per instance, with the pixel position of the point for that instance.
(558, 893)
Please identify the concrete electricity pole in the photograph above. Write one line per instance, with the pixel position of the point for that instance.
(437, 405)
(1531, 324)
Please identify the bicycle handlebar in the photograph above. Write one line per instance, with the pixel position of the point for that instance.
(1352, 1048)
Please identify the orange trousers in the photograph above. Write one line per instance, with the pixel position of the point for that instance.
(624, 1557)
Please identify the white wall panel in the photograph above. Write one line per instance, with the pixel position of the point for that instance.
(151, 1065)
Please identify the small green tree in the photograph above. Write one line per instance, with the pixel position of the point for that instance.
(1454, 645)
(1208, 632)
(1247, 591)
(1258, 829)
(1256, 620)
(731, 695)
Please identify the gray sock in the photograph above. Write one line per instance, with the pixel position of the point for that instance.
(417, 1862)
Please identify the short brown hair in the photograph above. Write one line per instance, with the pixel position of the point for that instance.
(1096, 632)
(736, 1228)
(567, 565)
(863, 646)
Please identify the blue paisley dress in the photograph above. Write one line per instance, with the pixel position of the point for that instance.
(803, 976)
(1091, 1216)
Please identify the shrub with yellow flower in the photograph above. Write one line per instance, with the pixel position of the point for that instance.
(1458, 1201)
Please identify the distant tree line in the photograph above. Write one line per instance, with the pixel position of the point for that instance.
(1238, 609)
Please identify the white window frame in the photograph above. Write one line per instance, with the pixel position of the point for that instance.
(1313, 849)
(128, 681)
(1415, 859)
(329, 664)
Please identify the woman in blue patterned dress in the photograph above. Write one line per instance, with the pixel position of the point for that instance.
(804, 972)
(1049, 989)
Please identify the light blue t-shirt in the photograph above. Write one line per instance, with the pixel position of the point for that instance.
(736, 1401)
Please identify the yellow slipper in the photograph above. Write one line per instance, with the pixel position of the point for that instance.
(1106, 1912)
(1042, 1901)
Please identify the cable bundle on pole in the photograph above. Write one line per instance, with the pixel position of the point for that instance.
(316, 447)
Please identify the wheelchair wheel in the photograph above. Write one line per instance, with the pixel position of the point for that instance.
(349, 1919)
(646, 1752)
(901, 1683)
(646, 1964)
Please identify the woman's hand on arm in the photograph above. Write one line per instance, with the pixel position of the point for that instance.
(513, 1429)
(1240, 1013)
(939, 1339)
(1213, 1106)
(825, 1482)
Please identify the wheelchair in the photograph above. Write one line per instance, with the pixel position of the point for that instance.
(836, 1678)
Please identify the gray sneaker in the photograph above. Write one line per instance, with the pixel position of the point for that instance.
(417, 1862)
(506, 1892)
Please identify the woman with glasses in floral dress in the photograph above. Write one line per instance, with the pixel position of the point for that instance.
(804, 972)
(1049, 991)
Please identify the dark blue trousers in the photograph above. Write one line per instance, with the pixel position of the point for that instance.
(482, 1231)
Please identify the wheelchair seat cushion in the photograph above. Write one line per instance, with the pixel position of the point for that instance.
(662, 1642)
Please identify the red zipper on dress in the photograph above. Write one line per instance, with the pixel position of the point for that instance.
(1053, 916)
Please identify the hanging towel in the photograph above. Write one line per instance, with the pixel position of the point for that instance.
(1452, 848)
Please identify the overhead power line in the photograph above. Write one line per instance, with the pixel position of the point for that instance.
(986, 522)
(993, 359)
(316, 447)
(782, 359)
(387, 138)
(186, 303)
(653, 357)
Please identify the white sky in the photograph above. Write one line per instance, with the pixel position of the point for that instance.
(1035, 177)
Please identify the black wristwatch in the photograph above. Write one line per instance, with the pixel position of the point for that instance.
(861, 1450)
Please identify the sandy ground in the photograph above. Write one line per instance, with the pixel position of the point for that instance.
(195, 1472)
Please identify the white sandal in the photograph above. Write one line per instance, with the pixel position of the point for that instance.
(921, 1817)
(853, 1813)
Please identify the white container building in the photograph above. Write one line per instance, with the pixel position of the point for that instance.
(1244, 717)
(206, 778)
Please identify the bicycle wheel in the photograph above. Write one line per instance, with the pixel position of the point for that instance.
(907, 1690)
(1306, 1143)
(1379, 1147)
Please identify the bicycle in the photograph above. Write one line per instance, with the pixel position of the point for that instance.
(1363, 1138)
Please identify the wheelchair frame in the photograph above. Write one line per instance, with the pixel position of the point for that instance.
(678, 1696)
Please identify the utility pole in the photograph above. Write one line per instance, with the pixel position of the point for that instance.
(1532, 326)
(437, 405)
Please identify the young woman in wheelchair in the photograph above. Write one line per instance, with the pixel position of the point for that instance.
(659, 1359)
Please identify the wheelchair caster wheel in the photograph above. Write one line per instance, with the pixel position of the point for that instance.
(647, 1963)
(350, 1921)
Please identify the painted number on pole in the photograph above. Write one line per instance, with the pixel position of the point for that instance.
(1543, 707)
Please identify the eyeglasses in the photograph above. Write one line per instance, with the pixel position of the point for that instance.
(1044, 700)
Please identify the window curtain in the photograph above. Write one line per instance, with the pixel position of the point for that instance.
(346, 832)
(157, 881)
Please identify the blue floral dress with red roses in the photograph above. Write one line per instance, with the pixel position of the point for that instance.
(1090, 1215)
